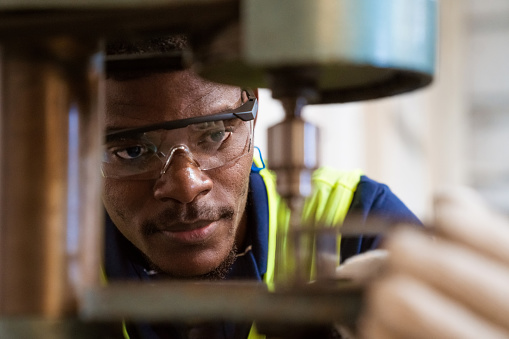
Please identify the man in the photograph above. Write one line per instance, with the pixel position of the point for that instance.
(182, 196)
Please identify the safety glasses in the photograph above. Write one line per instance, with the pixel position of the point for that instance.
(210, 141)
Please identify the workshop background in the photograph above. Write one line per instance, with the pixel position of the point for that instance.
(455, 132)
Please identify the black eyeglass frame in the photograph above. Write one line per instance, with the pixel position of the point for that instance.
(245, 112)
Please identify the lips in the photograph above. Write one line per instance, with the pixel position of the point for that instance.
(192, 233)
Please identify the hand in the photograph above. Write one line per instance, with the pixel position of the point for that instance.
(363, 267)
(454, 284)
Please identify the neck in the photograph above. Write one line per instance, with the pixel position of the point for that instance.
(240, 237)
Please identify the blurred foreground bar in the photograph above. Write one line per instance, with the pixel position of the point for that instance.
(338, 301)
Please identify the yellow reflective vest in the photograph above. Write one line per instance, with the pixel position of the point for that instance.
(328, 204)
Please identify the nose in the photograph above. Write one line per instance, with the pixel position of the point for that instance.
(182, 180)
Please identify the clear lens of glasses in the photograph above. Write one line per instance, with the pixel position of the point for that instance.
(144, 155)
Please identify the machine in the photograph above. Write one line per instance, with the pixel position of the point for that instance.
(52, 66)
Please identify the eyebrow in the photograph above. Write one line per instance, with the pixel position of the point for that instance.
(245, 112)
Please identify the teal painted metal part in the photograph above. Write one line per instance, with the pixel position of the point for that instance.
(348, 50)
(398, 34)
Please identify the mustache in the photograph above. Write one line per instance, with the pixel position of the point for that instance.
(188, 214)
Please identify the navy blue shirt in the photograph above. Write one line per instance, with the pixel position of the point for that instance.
(371, 200)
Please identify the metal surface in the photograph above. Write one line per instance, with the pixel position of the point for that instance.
(237, 302)
(112, 18)
(360, 49)
(294, 156)
(100, 4)
(33, 327)
(42, 259)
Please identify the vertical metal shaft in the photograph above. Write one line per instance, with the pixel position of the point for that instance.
(40, 256)
(293, 155)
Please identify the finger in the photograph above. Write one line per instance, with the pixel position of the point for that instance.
(411, 309)
(363, 267)
(464, 217)
(472, 279)
(371, 327)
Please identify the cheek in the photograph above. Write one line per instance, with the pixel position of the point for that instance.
(236, 177)
(122, 198)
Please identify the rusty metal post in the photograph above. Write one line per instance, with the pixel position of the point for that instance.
(49, 123)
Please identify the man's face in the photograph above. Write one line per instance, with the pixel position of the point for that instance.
(187, 221)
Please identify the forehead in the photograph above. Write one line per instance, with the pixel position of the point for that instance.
(165, 96)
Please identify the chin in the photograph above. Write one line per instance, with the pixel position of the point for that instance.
(202, 269)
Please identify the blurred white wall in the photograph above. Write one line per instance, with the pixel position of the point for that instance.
(455, 132)
(487, 89)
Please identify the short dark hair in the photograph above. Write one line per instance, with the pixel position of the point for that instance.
(130, 59)
(152, 45)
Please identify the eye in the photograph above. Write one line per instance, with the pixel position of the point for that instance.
(216, 136)
(132, 151)
(213, 136)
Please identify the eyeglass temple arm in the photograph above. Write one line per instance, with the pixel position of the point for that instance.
(247, 113)
(244, 113)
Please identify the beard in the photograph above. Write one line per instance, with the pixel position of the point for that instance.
(219, 273)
